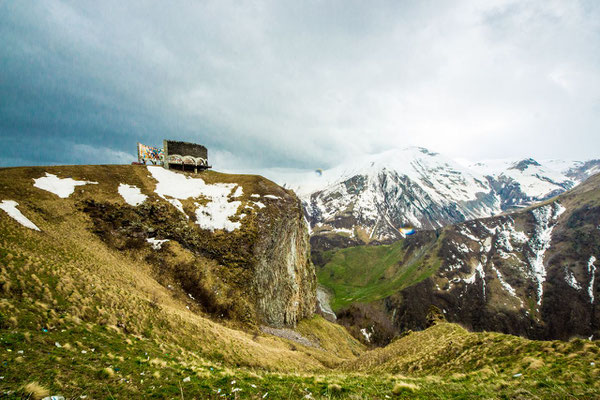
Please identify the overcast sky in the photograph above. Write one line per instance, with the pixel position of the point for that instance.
(302, 84)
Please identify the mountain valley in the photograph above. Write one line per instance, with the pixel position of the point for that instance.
(139, 282)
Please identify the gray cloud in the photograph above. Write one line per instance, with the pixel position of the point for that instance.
(299, 84)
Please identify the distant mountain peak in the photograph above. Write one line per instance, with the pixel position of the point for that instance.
(426, 151)
(524, 164)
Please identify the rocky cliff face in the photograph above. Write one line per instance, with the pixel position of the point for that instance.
(284, 278)
(233, 246)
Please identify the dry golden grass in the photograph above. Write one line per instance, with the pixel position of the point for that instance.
(34, 391)
(100, 285)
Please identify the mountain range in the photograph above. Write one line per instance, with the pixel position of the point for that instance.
(374, 197)
(531, 272)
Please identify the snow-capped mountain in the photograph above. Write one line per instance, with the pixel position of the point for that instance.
(524, 182)
(372, 197)
(527, 181)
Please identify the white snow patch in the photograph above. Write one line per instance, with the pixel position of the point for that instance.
(10, 206)
(62, 187)
(463, 248)
(570, 279)
(592, 271)
(367, 334)
(132, 194)
(466, 233)
(487, 244)
(216, 214)
(239, 191)
(256, 196)
(478, 271)
(156, 243)
(213, 215)
(454, 266)
(344, 230)
(177, 204)
(545, 218)
(259, 204)
(270, 196)
(505, 284)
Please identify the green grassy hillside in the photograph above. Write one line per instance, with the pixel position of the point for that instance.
(364, 274)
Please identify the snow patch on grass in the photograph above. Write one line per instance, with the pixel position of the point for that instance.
(10, 207)
(156, 243)
(213, 215)
(62, 187)
(216, 214)
(132, 194)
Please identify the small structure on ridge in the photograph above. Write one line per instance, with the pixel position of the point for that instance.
(175, 155)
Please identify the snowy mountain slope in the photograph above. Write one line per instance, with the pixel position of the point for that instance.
(373, 197)
(527, 181)
(370, 198)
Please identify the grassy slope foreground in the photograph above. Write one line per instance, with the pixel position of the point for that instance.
(84, 320)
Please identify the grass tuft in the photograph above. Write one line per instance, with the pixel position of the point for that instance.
(402, 387)
(334, 388)
(35, 391)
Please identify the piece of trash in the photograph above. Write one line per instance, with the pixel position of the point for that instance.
(45, 330)
(517, 375)
(187, 379)
(57, 345)
(265, 395)
(592, 363)
(53, 398)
